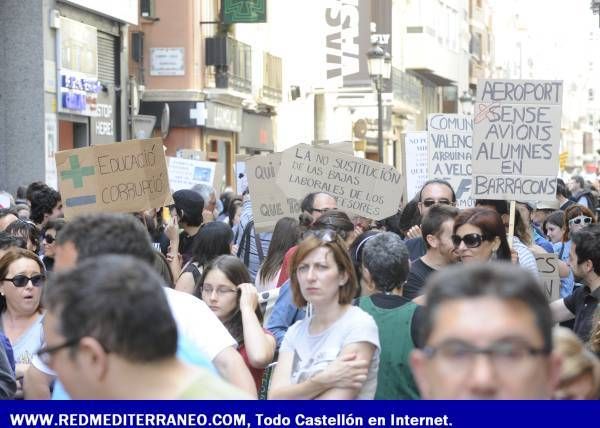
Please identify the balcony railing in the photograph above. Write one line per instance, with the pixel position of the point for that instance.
(272, 77)
(406, 88)
(229, 64)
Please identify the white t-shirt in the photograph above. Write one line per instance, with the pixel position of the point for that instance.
(194, 320)
(312, 353)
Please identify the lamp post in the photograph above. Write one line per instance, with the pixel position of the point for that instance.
(466, 100)
(380, 68)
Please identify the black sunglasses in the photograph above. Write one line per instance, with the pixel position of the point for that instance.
(471, 240)
(430, 202)
(23, 280)
(49, 239)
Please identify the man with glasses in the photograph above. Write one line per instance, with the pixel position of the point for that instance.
(433, 192)
(487, 334)
(103, 348)
(584, 260)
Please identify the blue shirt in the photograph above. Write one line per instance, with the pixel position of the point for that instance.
(562, 249)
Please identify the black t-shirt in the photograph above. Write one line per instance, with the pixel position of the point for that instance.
(185, 246)
(419, 271)
(391, 301)
(583, 304)
(416, 248)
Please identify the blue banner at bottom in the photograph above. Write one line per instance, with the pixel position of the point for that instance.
(271, 414)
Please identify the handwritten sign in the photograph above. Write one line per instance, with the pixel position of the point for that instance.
(269, 202)
(450, 139)
(517, 139)
(361, 187)
(185, 173)
(550, 279)
(122, 177)
(415, 162)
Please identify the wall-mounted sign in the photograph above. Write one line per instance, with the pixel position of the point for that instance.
(122, 10)
(79, 84)
(226, 118)
(167, 61)
(248, 11)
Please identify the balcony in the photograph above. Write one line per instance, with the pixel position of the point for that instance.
(406, 89)
(272, 78)
(229, 64)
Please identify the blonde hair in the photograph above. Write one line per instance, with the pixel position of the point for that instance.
(577, 361)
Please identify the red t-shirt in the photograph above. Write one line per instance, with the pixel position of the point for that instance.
(285, 267)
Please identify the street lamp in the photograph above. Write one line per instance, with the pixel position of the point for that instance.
(466, 99)
(380, 68)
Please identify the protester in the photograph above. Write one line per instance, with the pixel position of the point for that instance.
(553, 227)
(479, 236)
(563, 195)
(581, 194)
(225, 288)
(22, 276)
(580, 368)
(102, 349)
(314, 205)
(213, 240)
(226, 199)
(410, 217)
(46, 205)
(152, 220)
(285, 236)
(8, 242)
(594, 342)
(584, 260)
(385, 268)
(433, 192)
(187, 214)
(334, 353)
(7, 216)
(488, 310)
(209, 197)
(356, 251)
(525, 257)
(437, 228)
(49, 237)
(23, 211)
(526, 229)
(8, 384)
(542, 210)
(90, 236)
(28, 231)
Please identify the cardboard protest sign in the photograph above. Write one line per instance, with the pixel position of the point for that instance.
(450, 139)
(121, 177)
(185, 173)
(548, 267)
(269, 202)
(516, 139)
(345, 147)
(361, 187)
(415, 162)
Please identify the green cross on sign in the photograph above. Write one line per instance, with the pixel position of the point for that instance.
(76, 173)
(248, 11)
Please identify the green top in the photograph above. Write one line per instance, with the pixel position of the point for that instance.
(394, 380)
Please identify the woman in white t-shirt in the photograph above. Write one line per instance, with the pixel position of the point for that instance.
(334, 352)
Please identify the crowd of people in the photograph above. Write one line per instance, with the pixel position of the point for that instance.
(189, 301)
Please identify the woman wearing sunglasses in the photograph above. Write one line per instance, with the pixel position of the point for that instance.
(576, 217)
(479, 235)
(333, 353)
(49, 245)
(22, 276)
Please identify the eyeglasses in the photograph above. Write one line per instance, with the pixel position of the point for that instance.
(46, 352)
(505, 356)
(49, 239)
(471, 240)
(22, 280)
(430, 202)
(207, 290)
(582, 219)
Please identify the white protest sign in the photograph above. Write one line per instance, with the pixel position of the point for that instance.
(517, 139)
(185, 173)
(415, 162)
(361, 187)
(450, 139)
(269, 203)
(548, 267)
